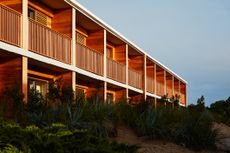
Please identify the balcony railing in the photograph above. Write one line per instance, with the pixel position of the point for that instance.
(115, 70)
(169, 92)
(160, 89)
(150, 84)
(135, 79)
(50, 43)
(10, 26)
(89, 60)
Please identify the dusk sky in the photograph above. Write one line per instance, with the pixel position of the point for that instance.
(191, 37)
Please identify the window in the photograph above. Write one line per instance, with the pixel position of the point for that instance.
(80, 91)
(110, 97)
(41, 86)
(31, 14)
(39, 17)
(81, 39)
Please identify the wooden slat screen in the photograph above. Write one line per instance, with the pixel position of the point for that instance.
(135, 79)
(47, 42)
(89, 60)
(10, 26)
(169, 91)
(160, 89)
(150, 84)
(116, 71)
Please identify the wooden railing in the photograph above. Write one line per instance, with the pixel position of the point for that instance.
(169, 91)
(160, 89)
(50, 43)
(150, 84)
(135, 79)
(89, 60)
(10, 26)
(115, 70)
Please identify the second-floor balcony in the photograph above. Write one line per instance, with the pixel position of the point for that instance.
(10, 26)
(48, 42)
(135, 79)
(116, 71)
(89, 59)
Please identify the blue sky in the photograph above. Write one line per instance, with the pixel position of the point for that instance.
(191, 37)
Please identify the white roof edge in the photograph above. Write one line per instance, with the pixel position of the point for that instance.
(85, 11)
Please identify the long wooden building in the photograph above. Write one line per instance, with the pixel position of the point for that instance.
(43, 40)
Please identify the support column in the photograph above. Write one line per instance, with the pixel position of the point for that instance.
(144, 78)
(74, 49)
(165, 83)
(105, 55)
(24, 32)
(173, 92)
(155, 84)
(105, 91)
(105, 65)
(155, 79)
(127, 69)
(73, 37)
(25, 78)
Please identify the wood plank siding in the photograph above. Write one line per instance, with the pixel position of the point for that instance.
(10, 27)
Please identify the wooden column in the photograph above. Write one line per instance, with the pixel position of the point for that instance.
(24, 32)
(179, 92)
(144, 78)
(155, 84)
(73, 37)
(173, 92)
(165, 84)
(105, 65)
(24, 29)
(105, 55)
(127, 69)
(105, 91)
(25, 78)
(73, 49)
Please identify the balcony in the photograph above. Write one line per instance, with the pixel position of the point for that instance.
(150, 84)
(116, 71)
(48, 42)
(160, 89)
(135, 79)
(10, 27)
(89, 59)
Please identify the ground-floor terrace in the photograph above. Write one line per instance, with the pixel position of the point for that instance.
(30, 73)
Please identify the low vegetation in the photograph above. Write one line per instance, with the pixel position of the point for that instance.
(62, 123)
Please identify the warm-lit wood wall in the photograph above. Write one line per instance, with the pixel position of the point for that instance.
(14, 4)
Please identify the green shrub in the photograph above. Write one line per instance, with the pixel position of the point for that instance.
(55, 139)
